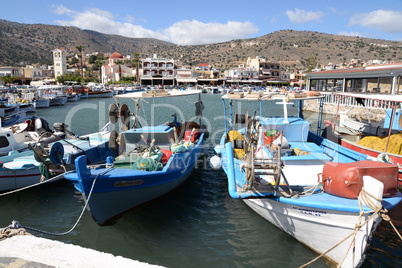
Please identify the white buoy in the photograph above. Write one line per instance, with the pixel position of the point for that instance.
(375, 188)
(215, 162)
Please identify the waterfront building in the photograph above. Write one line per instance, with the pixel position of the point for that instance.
(60, 62)
(207, 75)
(267, 70)
(15, 72)
(115, 69)
(297, 79)
(37, 73)
(242, 75)
(372, 79)
(185, 77)
(157, 71)
(383, 78)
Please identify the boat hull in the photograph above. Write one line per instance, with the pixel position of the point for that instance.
(100, 94)
(11, 179)
(42, 103)
(319, 229)
(120, 189)
(103, 206)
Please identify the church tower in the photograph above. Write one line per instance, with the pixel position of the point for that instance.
(59, 61)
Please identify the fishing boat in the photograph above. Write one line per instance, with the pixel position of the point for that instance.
(32, 130)
(42, 103)
(153, 160)
(381, 140)
(46, 162)
(307, 186)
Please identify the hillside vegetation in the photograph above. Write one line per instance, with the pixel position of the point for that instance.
(22, 44)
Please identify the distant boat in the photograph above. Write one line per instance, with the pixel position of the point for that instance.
(100, 93)
(42, 103)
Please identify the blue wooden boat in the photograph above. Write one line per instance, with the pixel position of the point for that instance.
(153, 161)
(328, 197)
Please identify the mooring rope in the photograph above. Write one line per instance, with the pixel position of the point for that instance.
(17, 225)
(376, 210)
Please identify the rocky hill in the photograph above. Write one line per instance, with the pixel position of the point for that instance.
(33, 43)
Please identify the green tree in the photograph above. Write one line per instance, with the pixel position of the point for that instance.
(99, 62)
(80, 48)
(310, 63)
(68, 77)
(7, 79)
(136, 61)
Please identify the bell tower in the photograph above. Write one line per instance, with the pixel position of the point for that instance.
(59, 61)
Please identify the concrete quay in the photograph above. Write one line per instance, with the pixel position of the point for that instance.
(33, 252)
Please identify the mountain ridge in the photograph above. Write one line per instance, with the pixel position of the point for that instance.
(33, 43)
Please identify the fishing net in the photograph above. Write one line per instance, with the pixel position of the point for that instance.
(380, 143)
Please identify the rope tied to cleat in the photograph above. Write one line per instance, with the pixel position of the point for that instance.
(16, 224)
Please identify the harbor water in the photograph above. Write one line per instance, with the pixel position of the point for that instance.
(196, 225)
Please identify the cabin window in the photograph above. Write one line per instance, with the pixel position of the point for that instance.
(4, 142)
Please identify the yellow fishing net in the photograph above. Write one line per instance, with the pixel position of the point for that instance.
(235, 135)
(380, 143)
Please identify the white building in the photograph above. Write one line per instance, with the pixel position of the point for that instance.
(60, 62)
(158, 71)
(115, 70)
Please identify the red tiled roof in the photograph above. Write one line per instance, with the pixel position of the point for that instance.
(116, 55)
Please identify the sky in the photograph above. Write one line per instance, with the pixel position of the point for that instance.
(206, 22)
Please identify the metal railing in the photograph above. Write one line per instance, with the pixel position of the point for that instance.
(353, 102)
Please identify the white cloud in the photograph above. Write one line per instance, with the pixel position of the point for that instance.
(335, 11)
(195, 32)
(388, 21)
(183, 32)
(351, 34)
(302, 16)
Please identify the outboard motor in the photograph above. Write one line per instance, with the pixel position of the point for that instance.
(42, 126)
(60, 127)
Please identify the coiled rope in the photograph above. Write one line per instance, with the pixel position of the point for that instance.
(17, 225)
(364, 198)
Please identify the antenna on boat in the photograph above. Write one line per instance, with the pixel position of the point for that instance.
(285, 102)
(199, 107)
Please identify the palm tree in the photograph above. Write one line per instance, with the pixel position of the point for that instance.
(99, 62)
(119, 63)
(136, 60)
(79, 48)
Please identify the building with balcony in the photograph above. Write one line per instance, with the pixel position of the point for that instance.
(157, 71)
(185, 77)
(267, 70)
(242, 75)
(206, 75)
